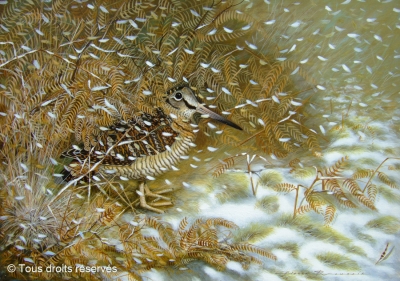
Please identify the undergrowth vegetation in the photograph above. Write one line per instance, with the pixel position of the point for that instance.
(313, 148)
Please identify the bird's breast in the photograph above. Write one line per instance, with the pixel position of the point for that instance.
(152, 165)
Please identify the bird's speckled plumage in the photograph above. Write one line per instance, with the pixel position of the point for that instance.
(310, 82)
(147, 146)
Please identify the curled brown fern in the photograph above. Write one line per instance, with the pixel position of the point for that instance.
(336, 169)
(284, 187)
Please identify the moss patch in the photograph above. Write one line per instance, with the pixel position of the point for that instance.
(387, 224)
(268, 204)
(338, 261)
(303, 173)
(307, 226)
(291, 247)
(252, 233)
(389, 194)
(270, 178)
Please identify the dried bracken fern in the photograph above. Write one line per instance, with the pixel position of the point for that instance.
(336, 169)
(78, 236)
(335, 187)
(336, 190)
(284, 187)
(329, 214)
(303, 209)
(362, 174)
(385, 179)
(372, 191)
(227, 163)
(71, 71)
(198, 241)
(107, 68)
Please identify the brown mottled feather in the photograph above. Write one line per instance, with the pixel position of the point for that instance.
(149, 135)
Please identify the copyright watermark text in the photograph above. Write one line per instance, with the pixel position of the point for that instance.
(24, 268)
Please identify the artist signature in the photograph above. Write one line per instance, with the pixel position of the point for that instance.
(318, 272)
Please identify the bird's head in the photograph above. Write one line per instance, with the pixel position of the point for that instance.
(182, 102)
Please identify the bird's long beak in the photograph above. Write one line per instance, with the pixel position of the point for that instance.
(205, 111)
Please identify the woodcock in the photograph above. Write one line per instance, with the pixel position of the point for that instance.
(147, 146)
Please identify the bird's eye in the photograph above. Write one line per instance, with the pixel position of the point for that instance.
(178, 96)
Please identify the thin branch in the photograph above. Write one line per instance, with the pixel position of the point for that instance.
(376, 170)
(295, 200)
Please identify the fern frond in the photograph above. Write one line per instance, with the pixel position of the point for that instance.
(352, 186)
(366, 201)
(284, 187)
(372, 191)
(355, 190)
(303, 209)
(329, 214)
(363, 174)
(182, 225)
(221, 222)
(334, 186)
(385, 179)
(253, 249)
(228, 163)
(316, 202)
(336, 169)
